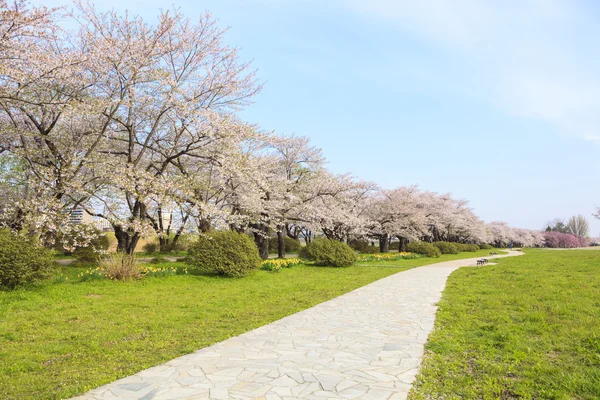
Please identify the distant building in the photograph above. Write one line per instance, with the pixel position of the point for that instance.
(103, 225)
(167, 219)
(78, 216)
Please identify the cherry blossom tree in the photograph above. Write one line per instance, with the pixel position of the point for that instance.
(104, 116)
(170, 90)
(281, 190)
(452, 219)
(398, 212)
(43, 115)
(501, 235)
(298, 166)
(342, 213)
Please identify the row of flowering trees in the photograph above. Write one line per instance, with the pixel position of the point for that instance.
(137, 124)
(501, 235)
(564, 240)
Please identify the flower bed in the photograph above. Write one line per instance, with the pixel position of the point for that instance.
(275, 265)
(387, 257)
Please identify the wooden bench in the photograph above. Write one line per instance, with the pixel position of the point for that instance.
(482, 261)
(493, 253)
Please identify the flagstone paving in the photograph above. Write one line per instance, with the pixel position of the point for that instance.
(366, 344)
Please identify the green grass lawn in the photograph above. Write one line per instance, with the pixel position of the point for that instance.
(418, 262)
(527, 328)
(66, 337)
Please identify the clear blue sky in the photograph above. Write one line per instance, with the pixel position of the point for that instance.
(497, 102)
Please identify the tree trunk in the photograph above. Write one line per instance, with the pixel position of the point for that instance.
(204, 225)
(262, 243)
(261, 238)
(293, 231)
(384, 243)
(163, 243)
(280, 244)
(166, 244)
(126, 241)
(177, 236)
(402, 245)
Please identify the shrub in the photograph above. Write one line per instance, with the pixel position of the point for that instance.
(76, 241)
(224, 253)
(291, 245)
(471, 248)
(87, 256)
(120, 266)
(359, 245)
(150, 247)
(485, 246)
(370, 250)
(446, 247)
(461, 247)
(22, 261)
(423, 248)
(158, 260)
(328, 252)
(363, 246)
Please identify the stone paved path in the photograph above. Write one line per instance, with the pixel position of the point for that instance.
(366, 344)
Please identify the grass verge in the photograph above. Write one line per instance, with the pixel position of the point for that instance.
(527, 328)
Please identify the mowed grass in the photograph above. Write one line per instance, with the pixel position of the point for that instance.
(418, 262)
(527, 328)
(67, 337)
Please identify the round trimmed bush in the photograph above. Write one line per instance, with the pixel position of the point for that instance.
(423, 248)
(22, 261)
(461, 247)
(224, 253)
(328, 252)
(471, 247)
(446, 247)
(485, 246)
